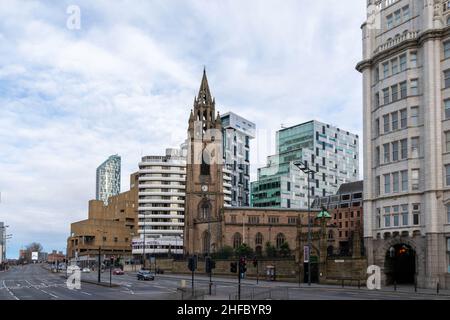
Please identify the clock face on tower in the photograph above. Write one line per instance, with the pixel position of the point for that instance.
(205, 188)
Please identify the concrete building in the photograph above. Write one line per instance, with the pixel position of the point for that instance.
(333, 153)
(108, 179)
(406, 107)
(110, 227)
(346, 210)
(237, 134)
(161, 203)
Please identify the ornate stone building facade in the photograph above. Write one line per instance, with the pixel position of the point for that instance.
(406, 108)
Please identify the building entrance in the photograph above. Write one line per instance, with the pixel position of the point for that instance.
(400, 264)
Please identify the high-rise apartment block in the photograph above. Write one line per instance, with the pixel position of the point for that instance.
(237, 133)
(108, 179)
(331, 152)
(162, 181)
(406, 108)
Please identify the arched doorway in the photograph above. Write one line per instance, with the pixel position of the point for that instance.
(400, 264)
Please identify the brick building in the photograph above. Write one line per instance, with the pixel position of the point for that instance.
(55, 257)
(346, 209)
(110, 227)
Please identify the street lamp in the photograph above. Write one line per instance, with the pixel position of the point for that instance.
(304, 166)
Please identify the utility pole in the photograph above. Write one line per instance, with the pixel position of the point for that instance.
(239, 278)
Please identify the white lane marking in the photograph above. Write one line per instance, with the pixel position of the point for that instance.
(9, 291)
(42, 290)
(87, 293)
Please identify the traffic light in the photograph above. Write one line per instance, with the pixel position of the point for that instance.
(210, 264)
(255, 262)
(192, 264)
(233, 267)
(242, 265)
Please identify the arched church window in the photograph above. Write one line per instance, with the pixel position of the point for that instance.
(258, 239)
(205, 210)
(206, 241)
(237, 240)
(280, 240)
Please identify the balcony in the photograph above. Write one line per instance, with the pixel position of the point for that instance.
(160, 201)
(171, 171)
(161, 216)
(179, 179)
(411, 35)
(159, 209)
(167, 194)
(161, 186)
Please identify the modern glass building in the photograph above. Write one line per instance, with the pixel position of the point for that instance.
(237, 133)
(108, 179)
(331, 152)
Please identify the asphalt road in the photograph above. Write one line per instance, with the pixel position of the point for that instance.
(33, 282)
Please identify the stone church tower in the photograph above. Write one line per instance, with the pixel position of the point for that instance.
(204, 178)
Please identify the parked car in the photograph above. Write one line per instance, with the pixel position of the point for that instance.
(118, 271)
(145, 275)
(86, 270)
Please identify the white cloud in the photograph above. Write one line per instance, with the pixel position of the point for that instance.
(125, 82)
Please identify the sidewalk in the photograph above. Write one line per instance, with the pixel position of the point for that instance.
(280, 284)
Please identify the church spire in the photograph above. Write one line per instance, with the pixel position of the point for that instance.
(204, 95)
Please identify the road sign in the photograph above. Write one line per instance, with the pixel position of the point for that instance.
(34, 256)
(306, 254)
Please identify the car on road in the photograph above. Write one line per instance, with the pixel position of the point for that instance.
(145, 275)
(118, 271)
(86, 270)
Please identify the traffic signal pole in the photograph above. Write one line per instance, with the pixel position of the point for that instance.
(239, 281)
(192, 283)
(257, 273)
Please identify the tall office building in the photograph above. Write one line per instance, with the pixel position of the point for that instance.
(330, 151)
(162, 181)
(237, 133)
(406, 107)
(108, 179)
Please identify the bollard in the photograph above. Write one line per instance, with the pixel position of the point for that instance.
(359, 284)
(415, 286)
(395, 285)
(437, 288)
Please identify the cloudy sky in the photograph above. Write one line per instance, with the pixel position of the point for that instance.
(124, 84)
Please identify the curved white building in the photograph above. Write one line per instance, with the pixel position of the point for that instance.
(161, 203)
